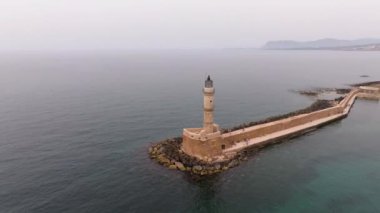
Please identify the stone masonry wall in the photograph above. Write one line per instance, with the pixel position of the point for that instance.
(202, 149)
(265, 129)
(214, 147)
(230, 139)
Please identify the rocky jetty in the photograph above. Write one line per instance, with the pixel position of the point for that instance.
(169, 154)
(317, 105)
(342, 91)
(370, 83)
(318, 91)
(308, 93)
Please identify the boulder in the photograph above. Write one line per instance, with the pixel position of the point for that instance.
(172, 166)
(180, 166)
(233, 163)
(162, 159)
(197, 168)
(217, 166)
(161, 150)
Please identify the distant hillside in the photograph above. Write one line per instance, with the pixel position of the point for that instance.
(367, 47)
(360, 44)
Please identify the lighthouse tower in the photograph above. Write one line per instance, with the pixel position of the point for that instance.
(208, 106)
(206, 142)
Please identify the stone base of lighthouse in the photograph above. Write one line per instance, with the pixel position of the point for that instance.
(205, 146)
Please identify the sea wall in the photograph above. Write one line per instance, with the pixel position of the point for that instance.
(230, 139)
(345, 102)
(211, 156)
(265, 129)
(202, 149)
(211, 148)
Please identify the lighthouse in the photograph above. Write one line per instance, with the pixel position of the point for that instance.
(208, 106)
(205, 142)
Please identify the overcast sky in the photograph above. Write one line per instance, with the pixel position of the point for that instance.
(135, 24)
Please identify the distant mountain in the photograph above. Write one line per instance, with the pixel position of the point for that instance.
(324, 44)
(366, 47)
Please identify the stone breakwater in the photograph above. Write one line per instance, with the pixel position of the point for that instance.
(169, 154)
(250, 137)
(370, 83)
(317, 105)
(318, 91)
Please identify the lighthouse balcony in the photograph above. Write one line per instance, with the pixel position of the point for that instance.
(200, 134)
(209, 90)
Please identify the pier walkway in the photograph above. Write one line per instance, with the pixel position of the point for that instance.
(345, 106)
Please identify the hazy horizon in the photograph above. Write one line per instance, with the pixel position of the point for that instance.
(148, 24)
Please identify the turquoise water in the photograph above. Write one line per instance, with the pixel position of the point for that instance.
(75, 128)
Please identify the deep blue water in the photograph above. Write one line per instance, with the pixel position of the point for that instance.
(75, 128)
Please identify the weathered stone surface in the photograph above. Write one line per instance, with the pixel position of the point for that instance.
(173, 158)
(161, 150)
(233, 163)
(172, 166)
(180, 166)
(317, 105)
(197, 168)
(162, 159)
(217, 166)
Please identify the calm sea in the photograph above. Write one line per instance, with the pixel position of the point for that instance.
(75, 128)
